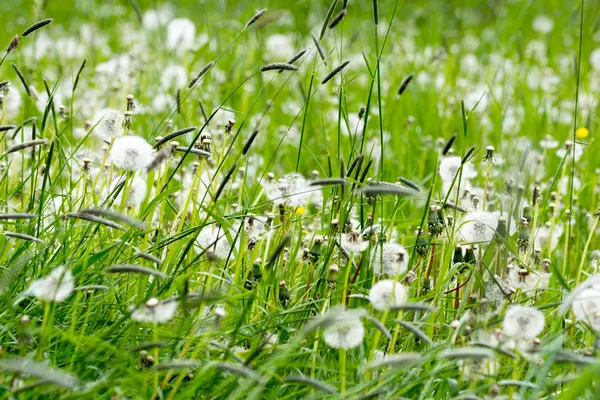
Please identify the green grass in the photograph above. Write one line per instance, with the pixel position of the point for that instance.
(480, 71)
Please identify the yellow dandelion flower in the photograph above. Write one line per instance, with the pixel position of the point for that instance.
(582, 133)
(300, 210)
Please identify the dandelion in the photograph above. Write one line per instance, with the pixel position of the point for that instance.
(521, 278)
(108, 123)
(586, 306)
(523, 322)
(346, 330)
(214, 241)
(390, 259)
(55, 287)
(353, 242)
(131, 153)
(449, 170)
(155, 311)
(582, 133)
(478, 227)
(387, 293)
(181, 35)
(136, 194)
(543, 24)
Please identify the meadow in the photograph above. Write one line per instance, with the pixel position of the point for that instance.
(319, 199)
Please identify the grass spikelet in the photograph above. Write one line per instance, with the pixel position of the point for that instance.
(36, 26)
(335, 72)
(383, 188)
(319, 48)
(380, 327)
(22, 79)
(328, 182)
(404, 84)
(149, 257)
(87, 288)
(135, 269)
(410, 184)
(337, 19)
(517, 383)
(39, 370)
(376, 11)
(424, 307)
(4, 128)
(255, 17)
(249, 142)
(295, 58)
(8, 216)
(468, 353)
(198, 152)
(449, 144)
(401, 360)
(224, 182)
(148, 346)
(328, 18)
(24, 145)
(415, 331)
(93, 218)
(467, 155)
(279, 66)
(24, 237)
(173, 135)
(239, 370)
(78, 76)
(200, 74)
(303, 380)
(179, 364)
(114, 215)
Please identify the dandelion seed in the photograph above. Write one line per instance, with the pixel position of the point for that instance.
(131, 153)
(55, 287)
(387, 293)
(345, 330)
(389, 259)
(155, 311)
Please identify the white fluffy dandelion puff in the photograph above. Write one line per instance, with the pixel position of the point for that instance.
(346, 330)
(155, 311)
(55, 287)
(131, 153)
(523, 322)
(389, 259)
(387, 293)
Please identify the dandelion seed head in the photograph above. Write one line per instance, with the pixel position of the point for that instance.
(108, 123)
(523, 322)
(478, 227)
(353, 242)
(387, 293)
(345, 332)
(389, 259)
(543, 24)
(131, 153)
(55, 287)
(155, 311)
(181, 35)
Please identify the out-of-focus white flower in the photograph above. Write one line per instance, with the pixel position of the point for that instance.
(108, 123)
(448, 170)
(56, 287)
(345, 331)
(387, 293)
(389, 259)
(155, 311)
(131, 153)
(543, 24)
(523, 322)
(12, 103)
(547, 236)
(181, 34)
(280, 47)
(212, 239)
(595, 59)
(136, 194)
(174, 76)
(548, 142)
(293, 191)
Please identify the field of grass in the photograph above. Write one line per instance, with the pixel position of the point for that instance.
(316, 199)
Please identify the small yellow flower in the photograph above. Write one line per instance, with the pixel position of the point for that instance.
(582, 133)
(300, 210)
